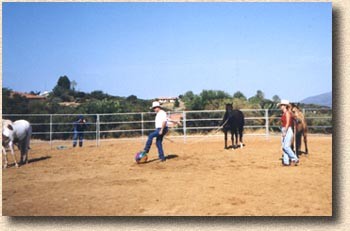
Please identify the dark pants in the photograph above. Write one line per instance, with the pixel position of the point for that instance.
(80, 135)
(159, 141)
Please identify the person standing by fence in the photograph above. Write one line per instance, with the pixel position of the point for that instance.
(79, 127)
(287, 134)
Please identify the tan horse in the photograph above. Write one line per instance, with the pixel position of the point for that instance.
(300, 129)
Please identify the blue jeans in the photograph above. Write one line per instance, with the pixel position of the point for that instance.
(159, 142)
(288, 153)
(77, 135)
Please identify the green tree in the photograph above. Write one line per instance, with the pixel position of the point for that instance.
(196, 103)
(239, 95)
(64, 82)
(208, 95)
(99, 95)
(188, 96)
(62, 89)
(239, 103)
(276, 99)
(132, 98)
(177, 103)
(260, 95)
(101, 106)
(14, 103)
(258, 98)
(212, 99)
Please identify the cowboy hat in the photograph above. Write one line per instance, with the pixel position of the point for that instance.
(155, 104)
(284, 102)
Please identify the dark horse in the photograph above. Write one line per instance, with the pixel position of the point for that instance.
(233, 121)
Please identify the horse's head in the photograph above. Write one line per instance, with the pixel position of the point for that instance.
(295, 108)
(297, 112)
(229, 107)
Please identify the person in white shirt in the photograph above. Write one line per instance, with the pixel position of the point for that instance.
(159, 132)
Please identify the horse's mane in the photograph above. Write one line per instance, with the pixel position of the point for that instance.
(299, 114)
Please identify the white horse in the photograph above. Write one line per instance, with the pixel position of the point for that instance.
(18, 132)
(6, 142)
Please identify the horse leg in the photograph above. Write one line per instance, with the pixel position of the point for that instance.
(13, 155)
(27, 143)
(241, 136)
(305, 143)
(225, 139)
(5, 155)
(297, 143)
(236, 137)
(24, 152)
(232, 139)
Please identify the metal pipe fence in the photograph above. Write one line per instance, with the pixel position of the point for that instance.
(100, 127)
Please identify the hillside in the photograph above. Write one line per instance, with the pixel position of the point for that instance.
(322, 99)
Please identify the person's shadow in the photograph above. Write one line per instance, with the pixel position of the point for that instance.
(167, 157)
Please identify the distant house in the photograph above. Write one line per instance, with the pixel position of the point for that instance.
(45, 93)
(30, 97)
(167, 99)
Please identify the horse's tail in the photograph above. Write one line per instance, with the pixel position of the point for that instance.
(305, 126)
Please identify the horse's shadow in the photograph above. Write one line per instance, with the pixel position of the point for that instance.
(38, 159)
(30, 161)
(234, 146)
(168, 157)
(303, 153)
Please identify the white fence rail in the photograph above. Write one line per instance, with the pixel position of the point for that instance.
(264, 122)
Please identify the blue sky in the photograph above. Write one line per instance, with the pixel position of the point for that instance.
(165, 49)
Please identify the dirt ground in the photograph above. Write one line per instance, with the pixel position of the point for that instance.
(199, 178)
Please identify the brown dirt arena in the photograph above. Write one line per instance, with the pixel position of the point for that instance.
(200, 178)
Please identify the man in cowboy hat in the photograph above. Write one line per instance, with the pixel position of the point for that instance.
(287, 134)
(159, 132)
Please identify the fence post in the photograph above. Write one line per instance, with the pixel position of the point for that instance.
(184, 125)
(142, 126)
(50, 131)
(98, 133)
(267, 123)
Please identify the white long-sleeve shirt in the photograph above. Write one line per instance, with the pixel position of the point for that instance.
(160, 118)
